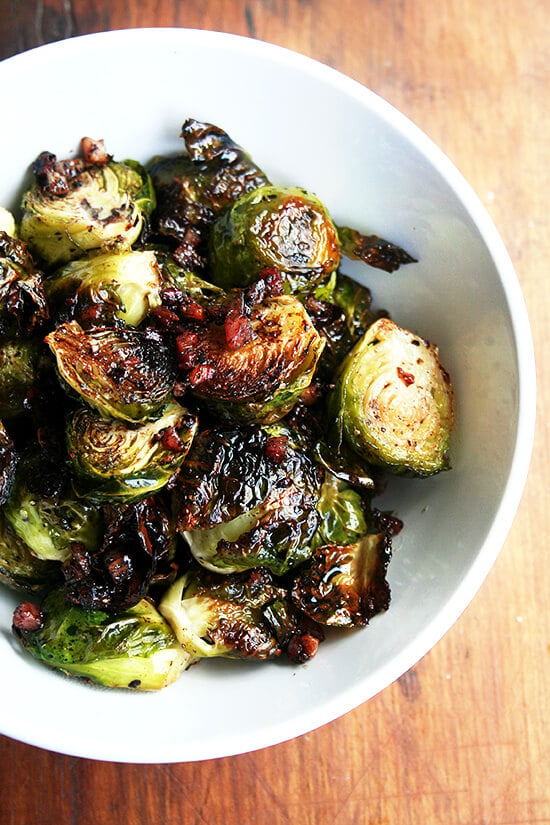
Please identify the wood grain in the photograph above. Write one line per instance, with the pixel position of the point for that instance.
(463, 738)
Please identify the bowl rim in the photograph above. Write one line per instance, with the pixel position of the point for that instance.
(463, 594)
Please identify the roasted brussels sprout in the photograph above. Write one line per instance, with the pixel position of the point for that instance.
(243, 615)
(136, 553)
(44, 514)
(393, 402)
(126, 374)
(23, 305)
(115, 461)
(287, 228)
(191, 189)
(373, 250)
(246, 497)
(20, 569)
(254, 366)
(8, 464)
(345, 586)
(107, 287)
(18, 362)
(76, 205)
(132, 649)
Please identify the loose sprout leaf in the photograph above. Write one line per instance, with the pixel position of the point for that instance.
(373, 250)
(20, 569)
(23, 306)
(134, 648)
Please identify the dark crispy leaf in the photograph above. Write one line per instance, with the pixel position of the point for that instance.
(23, 306)
(373, 250)
(8, 464)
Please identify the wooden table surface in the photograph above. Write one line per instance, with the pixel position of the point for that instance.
(464, 736)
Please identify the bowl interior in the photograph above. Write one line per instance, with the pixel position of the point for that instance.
(305, 125)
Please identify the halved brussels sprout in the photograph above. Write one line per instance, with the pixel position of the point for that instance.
(273, 226)
(8, 464)
(246, 498)
(393, 402)
(118, 462)
(75, 206)
(243, 616)
(18, 362)
(132, 649)
(20, 569)
(44, 515)
(22, 301)
(192, 188)
(255, 366)
(345, 586)
(102, 288)
(126, 374)
(136, 553)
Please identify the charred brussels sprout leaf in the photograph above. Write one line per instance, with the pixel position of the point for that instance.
(44, 515)
(345, 586)
(75, 206)
(191, 189)
(245, 498)
(254, 366)
(287, 228)
(373, 250)
(20, 569)
(393, 402)
(243, 615)
(132, 649)
(109, 287)
(126, 374)
(23, 305)
(136, 551)
(115, 461)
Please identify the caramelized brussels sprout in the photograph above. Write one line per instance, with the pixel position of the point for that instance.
(254, 366)
(20, 569)
(126, 374)
(118, 462)
(373, 250)
(132, 649)
(287, 228)
(192, 188)
(8, 464)
(244, 615)
(136, 553)
(393, 401)
(342, 513)
(44, 514)
(22, 301)
(107, 287)
(246, 498)
(345, 586)
(75, 206)
(18, 362)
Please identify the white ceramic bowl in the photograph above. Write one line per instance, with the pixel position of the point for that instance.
(305, 124)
